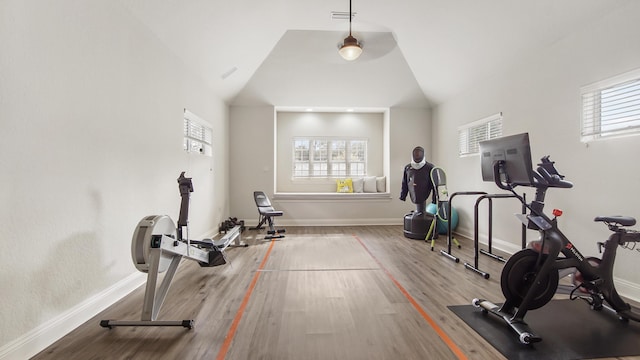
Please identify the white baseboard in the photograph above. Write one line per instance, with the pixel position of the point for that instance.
(46, 334)
(627, 289)
(499, 244)
(336, 222)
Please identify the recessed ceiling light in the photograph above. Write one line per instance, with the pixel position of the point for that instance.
(349, 110)
(309, 109)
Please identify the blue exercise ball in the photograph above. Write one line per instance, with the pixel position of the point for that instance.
(442, 225)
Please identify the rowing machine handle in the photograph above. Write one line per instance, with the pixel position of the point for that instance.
(186, 187)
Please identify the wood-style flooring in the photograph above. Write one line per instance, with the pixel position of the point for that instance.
(319, 293)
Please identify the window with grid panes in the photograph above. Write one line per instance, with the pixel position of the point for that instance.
(329, 157)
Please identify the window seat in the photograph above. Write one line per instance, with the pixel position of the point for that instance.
(331, 196)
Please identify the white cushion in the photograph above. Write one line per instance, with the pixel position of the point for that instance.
(370, 184)
(381, 184)
(358, 185)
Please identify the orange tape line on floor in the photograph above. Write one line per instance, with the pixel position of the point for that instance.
(456, 350)
(236, 320)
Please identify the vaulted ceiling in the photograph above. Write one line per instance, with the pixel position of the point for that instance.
(425, 50)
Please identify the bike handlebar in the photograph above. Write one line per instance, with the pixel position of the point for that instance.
(553, 180)
(548, 171)
(545, 176)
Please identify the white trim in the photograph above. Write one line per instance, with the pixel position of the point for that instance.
(498, 244)
(297, 197)
(618, 79)
(324, 109)
(49, 332)
(627, 289)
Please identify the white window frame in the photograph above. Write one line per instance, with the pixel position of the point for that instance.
(471, 134)
(197, 135)
(327, 163)
(611, 107)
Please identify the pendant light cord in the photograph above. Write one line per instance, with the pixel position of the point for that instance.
(350, 17)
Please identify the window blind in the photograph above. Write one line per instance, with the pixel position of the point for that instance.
(198, 135)
(471, 134)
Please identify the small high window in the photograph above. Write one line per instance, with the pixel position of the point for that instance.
(198, 135)
(611, 108)
(471, 134)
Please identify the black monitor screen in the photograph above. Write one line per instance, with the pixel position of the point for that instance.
(515, 151)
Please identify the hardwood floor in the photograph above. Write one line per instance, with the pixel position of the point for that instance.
(322, 293)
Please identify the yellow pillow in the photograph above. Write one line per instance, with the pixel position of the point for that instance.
(345, 185)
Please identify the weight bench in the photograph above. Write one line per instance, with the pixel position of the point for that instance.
(267, 213)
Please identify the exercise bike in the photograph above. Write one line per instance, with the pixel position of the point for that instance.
(158, 246)
(530, 277)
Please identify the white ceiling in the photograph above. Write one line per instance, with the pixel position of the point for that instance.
(447, 45)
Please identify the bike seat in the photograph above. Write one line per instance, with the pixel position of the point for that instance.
(622, 220)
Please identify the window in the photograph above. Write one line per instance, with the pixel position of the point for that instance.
(471, 134)
(198, 135)
(301, 158)
(611, 108)
(358, 164)
(313, 149)
(329, 157)
(320, 156)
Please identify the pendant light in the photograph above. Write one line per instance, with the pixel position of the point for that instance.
(350, 49)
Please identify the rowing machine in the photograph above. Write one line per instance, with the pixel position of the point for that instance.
(158, 246)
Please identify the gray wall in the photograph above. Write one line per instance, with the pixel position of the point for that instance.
(91, 110)
(252, 137)
(540, 95)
